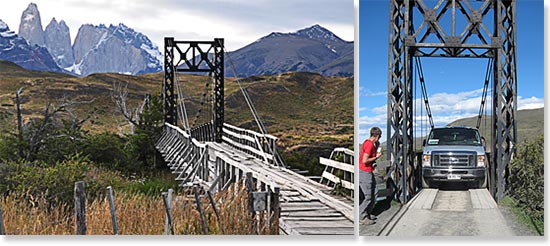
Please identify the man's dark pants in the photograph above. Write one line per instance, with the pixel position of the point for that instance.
(367, 185)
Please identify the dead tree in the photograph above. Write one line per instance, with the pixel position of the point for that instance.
(37, 136)
(120, 97)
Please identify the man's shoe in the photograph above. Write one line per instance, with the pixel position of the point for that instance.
(372, 217)
(368, 222)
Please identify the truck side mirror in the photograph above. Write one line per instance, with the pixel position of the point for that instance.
(423, 142)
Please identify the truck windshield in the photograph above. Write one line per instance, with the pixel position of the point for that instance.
(454, 136)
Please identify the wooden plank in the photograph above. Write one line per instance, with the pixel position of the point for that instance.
(336, 164)
(324, 231)
(340, 218)
(298, 204)
(316, 213)
(335, 179)
(320, 224)
(229, 127)
(246, 147)
(303, 209)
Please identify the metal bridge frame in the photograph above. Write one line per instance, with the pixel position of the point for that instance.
(194, 56)
(430, 39)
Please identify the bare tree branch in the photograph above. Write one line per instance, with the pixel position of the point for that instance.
(120, 97)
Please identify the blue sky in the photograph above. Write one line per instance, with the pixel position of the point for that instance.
(454, 85)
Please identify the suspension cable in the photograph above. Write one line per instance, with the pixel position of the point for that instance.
(277, 156)
(415, 92)
(424, 93)
(183, 110)
(484, 94)
(255, 114)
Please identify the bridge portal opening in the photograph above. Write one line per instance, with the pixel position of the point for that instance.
(450, 28)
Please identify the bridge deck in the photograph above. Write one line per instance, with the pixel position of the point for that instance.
(307, 207)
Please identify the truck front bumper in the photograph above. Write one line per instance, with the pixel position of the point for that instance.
(453, 174)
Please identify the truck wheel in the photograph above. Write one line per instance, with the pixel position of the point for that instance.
(425, 183)
(483, 183)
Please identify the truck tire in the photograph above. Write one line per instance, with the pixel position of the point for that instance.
(425, 183)
(483, 183)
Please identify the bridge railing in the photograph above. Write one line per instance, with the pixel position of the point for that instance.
(204, 132)
(339, 169)
(262, 146)
(185, 155)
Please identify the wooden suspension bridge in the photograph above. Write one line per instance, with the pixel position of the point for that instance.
(215, 154)
(306, 206)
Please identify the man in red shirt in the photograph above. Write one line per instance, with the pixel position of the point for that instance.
(367, 182)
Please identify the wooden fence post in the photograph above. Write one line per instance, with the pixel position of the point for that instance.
(80, 207)
(113, 210)
(249, 182)
(2, 227)
(213, 203)
(168, 212)
(199, 207)
(276, 208)
(168, 221)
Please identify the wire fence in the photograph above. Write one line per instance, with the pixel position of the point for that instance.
(188, 212)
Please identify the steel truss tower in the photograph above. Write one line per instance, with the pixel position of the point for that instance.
(194, 56)
(450, 28)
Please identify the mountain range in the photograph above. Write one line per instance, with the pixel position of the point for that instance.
(313, 49)
(16, 49)
(121, 49)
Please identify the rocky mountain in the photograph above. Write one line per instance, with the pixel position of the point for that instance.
(30, 27)
(16, 49)
(313, 49)
(114, 49)
(57, 39)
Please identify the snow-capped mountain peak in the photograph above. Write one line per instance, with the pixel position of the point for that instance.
(319, 33)
(127, 51)
(5, 30)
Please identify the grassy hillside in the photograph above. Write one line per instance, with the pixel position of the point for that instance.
(530, 124)
(303, 109)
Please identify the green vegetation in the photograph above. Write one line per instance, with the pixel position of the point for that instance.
(521, 216)
(302, 109)
(526, 182)
(51, 153)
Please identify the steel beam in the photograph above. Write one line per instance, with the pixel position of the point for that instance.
(195, 56)
(170, 104)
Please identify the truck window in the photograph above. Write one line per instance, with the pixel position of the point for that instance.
(454, 136)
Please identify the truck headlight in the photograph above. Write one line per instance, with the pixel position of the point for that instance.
(481, 161)
(425, 160)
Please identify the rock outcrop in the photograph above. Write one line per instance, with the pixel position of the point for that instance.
(58, 42)
(114, 49)
(30, 27)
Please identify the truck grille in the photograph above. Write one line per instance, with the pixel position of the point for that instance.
(446, 159)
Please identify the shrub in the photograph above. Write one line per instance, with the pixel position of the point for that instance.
(55, 183)
(526, 180)
(106, 150)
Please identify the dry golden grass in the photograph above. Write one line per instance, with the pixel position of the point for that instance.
(139, 214)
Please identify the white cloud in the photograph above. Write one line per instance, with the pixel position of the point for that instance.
(240, 22)
(368, 93)
(530, 103)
